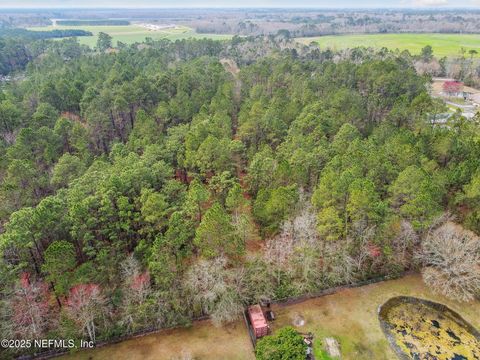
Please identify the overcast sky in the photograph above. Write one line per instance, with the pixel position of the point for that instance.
(237, 3)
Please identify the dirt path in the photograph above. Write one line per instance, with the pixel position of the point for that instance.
(254, 243)
(232, 68)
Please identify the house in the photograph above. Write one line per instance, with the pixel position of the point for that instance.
(452, 88)
(455, 89)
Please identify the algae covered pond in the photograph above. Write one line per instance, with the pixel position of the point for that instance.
(420, 329)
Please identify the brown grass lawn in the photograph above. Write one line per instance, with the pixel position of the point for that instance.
(202, 340)
(349, 315)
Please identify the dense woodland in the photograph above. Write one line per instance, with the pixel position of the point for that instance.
(24, 34)
(19, 46)
(315, 22)
(147, 186)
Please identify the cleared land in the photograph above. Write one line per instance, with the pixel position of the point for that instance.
(350, 316)
(134, 33)
(201, 341)
(442, 44)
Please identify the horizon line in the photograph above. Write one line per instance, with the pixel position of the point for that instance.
(439, 8)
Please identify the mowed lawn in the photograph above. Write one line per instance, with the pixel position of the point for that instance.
(442, 44)
(349, 315)
(130, 34)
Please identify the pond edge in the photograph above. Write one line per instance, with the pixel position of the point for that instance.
(382, 309)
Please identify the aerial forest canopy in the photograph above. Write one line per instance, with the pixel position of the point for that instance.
(153, 184)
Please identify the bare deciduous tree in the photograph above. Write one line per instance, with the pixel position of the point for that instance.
(216, 290)
(451, 258)
(85, 304)
(305, 225)
(136, 283)
(205, 281)
(432, 67)
(136, 289)
(403, 244)
(297, 232)
(228, 308)
(338, 265)
(129, 268)
(30, 308)
(279, 249)
(306, 265)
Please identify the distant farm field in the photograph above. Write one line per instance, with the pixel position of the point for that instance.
(442, 44)
(134, 33)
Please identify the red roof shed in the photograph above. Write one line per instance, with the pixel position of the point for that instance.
(259, 323)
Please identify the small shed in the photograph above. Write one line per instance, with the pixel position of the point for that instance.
(258, 321)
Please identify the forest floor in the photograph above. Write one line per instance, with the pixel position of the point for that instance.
(442, 44)
(349, 315)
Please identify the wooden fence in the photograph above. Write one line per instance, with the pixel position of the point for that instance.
(281, 302)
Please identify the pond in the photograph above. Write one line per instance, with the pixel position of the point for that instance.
(421, 329)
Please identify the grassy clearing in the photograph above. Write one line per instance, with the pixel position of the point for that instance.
(319, 351)
(134, 33)
(201, 341)
(350, 316)
(458, 101)
(442, 44)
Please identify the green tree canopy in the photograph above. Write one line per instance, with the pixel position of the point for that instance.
(104, 41)
(216, 235)
(285, 344)
(60, 261)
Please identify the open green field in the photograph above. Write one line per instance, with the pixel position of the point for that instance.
(442, 44)
(134, 33)
(350, 316)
